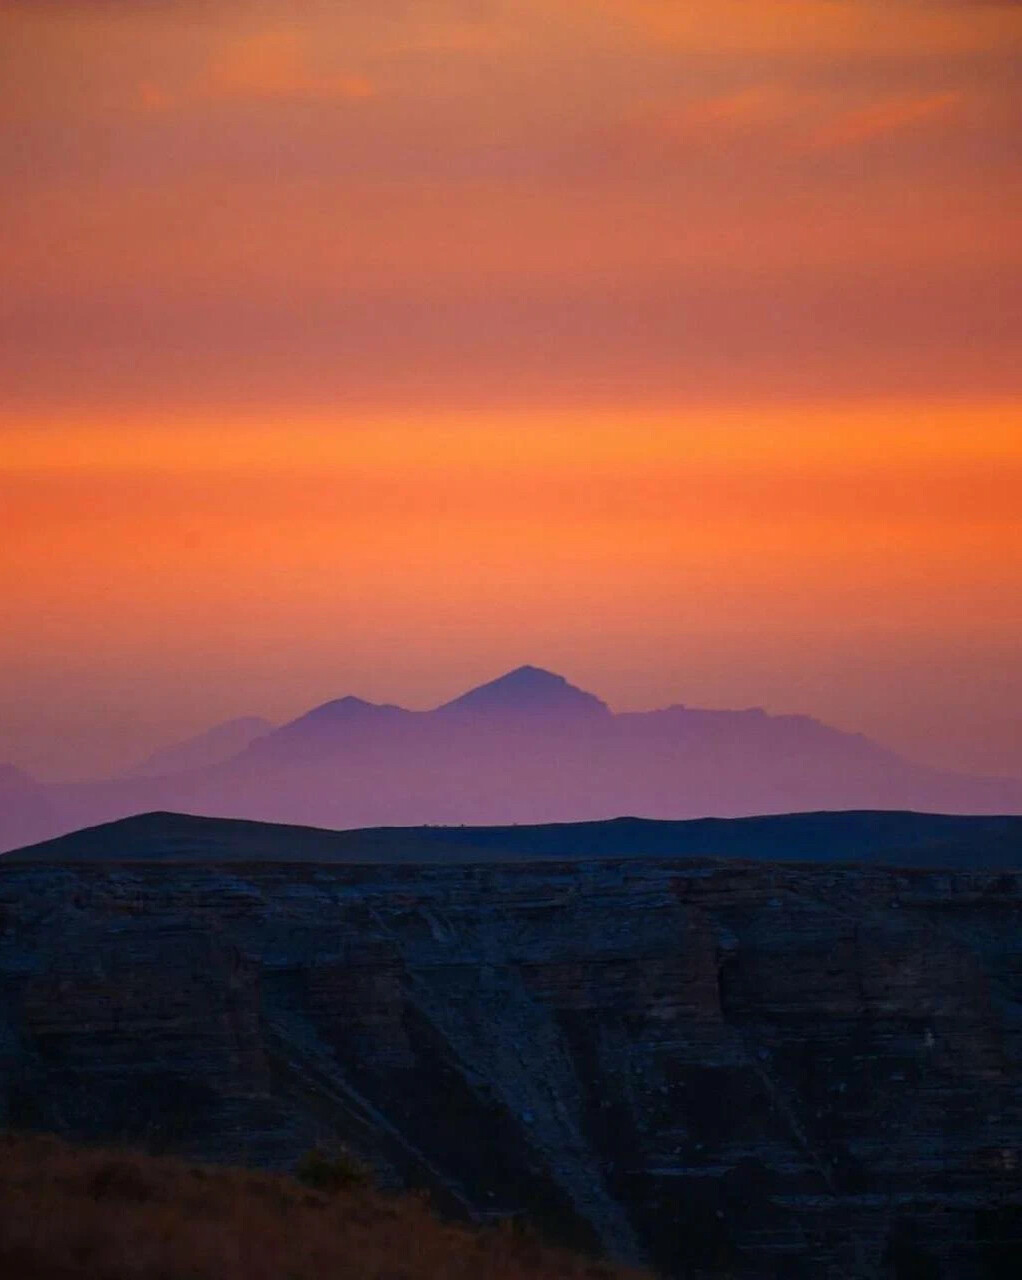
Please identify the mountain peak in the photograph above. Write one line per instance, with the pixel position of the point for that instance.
(213, 746)
(346, 706)
(327, 728)
(529, 690)
(339, 711)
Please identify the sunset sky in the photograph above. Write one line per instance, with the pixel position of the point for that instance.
(376, 348)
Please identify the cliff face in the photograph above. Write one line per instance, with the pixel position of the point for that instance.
(758, 1071)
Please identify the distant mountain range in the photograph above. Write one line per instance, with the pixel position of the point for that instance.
(212, 747)
(526, 748)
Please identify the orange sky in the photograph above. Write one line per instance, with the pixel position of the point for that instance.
(378, 348)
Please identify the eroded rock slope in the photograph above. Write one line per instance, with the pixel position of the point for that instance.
(721, 1069)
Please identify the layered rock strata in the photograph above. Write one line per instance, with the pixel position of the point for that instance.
(719, 1069)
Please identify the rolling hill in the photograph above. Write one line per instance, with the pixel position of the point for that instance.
(887, 838)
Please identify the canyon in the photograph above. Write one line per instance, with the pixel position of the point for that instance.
(712, 1066)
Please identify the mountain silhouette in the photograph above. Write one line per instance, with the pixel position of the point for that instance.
(210, 747)
(527, 691)
(319, 733)
(527, 747)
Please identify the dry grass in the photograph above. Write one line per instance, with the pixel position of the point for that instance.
(68, 1213)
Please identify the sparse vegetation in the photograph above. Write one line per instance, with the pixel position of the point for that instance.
(80, 1214)
(334, 1170)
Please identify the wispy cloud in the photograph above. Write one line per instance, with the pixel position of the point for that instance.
(265, 66)
(892, 115)
(785, 117)
(883, 28)
(276, 64)
(742, 111)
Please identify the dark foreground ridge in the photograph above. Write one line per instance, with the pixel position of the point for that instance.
(715, 1067)
(883, 837)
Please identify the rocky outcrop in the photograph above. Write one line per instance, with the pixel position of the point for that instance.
(721, 1069)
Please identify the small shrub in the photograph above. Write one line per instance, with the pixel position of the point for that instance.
(120, 1180)
(334, 1170)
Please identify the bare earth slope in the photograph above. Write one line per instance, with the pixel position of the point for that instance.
(69, 1213)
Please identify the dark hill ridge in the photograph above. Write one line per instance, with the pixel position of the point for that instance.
(526, 748)
(884, 838)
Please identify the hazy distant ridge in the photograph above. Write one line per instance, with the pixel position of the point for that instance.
(526, 748)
